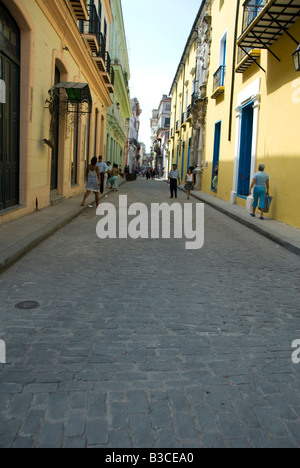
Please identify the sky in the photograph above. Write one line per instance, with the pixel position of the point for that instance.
(156, 34)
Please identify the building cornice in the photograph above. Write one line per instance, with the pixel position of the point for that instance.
(108, 10)
(190, 41)
(63, 21)
(119, 78)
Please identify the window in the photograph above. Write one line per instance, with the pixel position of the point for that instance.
(105, 31)
(74, 167)
(223, 50)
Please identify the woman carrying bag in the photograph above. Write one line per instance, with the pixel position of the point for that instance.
(261, 190)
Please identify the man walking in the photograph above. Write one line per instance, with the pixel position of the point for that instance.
(173, 178)
(103, 169)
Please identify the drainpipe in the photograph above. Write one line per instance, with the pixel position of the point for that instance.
(233, 68)
(182, 100)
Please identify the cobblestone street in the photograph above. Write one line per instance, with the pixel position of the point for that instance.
(141, 343)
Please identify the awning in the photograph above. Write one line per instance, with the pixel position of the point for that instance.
(264, 24)
(75, 93)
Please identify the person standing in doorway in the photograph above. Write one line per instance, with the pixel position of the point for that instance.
(190, 181)
(93, 181)
(216, 178)
(103, 168)
(174, 177)
(261, 186)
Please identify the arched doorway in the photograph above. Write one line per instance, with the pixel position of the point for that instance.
(9, 109)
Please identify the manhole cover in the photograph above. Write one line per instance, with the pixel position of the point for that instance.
(27, 305)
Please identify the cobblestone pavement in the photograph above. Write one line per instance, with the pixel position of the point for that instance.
(140, 343)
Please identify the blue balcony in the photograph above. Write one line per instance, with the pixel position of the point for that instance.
(219, 82)
(264, 21)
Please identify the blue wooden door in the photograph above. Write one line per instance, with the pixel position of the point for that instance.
(217, 146)
(182, 162)
(245, 150)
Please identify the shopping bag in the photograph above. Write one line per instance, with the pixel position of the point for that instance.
(268, 203)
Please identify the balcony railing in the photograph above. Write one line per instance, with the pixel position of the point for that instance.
(265, 21)
(112, 76)
(99, 57)
(219, 80)
(246, 57)
(252, 9)
(80, 9)
(91, 29)
(107, 62)
(110, 85)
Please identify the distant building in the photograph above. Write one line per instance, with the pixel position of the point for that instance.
(154, 127)
(118, 115)
(134, 127)
(160, 126)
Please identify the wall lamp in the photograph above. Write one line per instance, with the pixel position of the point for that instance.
(296, 58)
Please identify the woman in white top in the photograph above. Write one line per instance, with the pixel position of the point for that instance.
(190, 182)
(93, 181)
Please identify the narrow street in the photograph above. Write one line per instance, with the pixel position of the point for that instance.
(141, 343)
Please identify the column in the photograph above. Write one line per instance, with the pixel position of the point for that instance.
(233, 194)
(254, 147)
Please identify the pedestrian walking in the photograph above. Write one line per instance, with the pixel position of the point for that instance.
(93, 181)
(261, 186)
(103, 169)
(114, 174)
(174, 177)
(109, 170)
(190, 182)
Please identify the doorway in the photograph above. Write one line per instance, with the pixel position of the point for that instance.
(245, 150)
(9, 110)
(217, 147)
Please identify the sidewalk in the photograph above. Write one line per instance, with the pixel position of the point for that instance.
(18, 237)
(283, 234)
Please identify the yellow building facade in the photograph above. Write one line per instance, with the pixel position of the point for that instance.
(182, 95)
(54, 114)
(253, 112)
(252, 103)
(188, 94)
